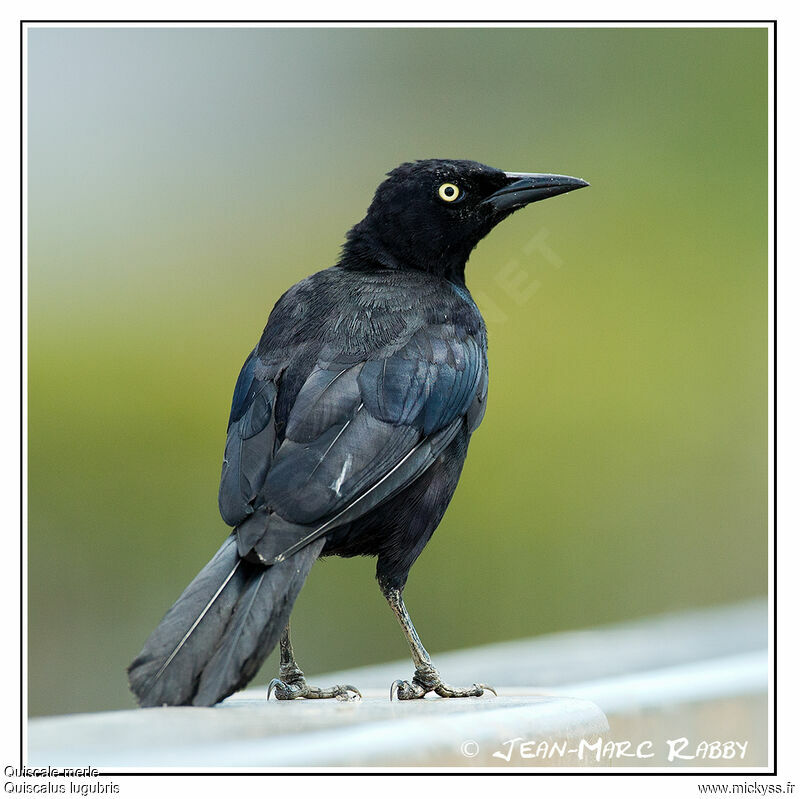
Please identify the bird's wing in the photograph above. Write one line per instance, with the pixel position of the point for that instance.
(356, 434)
(250, 445)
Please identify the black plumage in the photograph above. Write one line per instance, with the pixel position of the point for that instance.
(348, 430)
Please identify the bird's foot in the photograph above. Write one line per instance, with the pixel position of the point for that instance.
(298, 688)
(427, 680)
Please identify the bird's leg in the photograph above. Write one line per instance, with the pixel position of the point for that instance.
(426, 678)
(292, 682)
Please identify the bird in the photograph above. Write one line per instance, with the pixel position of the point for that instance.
(347, 434)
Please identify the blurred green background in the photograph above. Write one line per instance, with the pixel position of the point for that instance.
(181, 179)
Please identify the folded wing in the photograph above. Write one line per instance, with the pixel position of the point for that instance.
(355, 435)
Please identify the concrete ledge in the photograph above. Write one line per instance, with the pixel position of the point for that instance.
(370, 732)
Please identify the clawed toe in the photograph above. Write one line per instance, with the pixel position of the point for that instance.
(406, 690)
(477, 690)
(282, 690)
(302, 690)
(419, 687)
(342, 692)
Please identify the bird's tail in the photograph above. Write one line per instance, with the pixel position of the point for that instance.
(213, 640)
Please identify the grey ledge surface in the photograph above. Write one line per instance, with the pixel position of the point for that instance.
(372, 732)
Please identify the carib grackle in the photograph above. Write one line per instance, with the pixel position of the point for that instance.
(348, 429)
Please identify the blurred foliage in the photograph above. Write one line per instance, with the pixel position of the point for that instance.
(181, 179)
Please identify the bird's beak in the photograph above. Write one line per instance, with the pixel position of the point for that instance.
(528, 187)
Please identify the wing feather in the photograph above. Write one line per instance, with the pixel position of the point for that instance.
(354, 434)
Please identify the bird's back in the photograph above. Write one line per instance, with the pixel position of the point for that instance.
(360, 381)
(360, 314)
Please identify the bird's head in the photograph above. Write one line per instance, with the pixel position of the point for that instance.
(429, 215)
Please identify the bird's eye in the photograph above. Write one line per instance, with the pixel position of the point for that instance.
(449, 192)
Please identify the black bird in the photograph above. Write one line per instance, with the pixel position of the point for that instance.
(348, 430)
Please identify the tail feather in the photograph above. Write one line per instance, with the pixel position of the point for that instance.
(213, 640)
(258, 620)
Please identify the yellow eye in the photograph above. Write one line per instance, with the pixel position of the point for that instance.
(449, 192)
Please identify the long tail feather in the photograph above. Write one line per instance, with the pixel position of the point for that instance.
(213, 639)
(258, 620)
